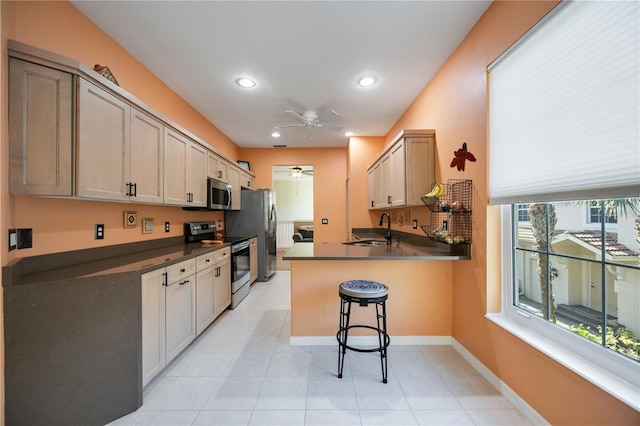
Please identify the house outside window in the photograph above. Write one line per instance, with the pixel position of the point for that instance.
(584, 281)
(594, 213)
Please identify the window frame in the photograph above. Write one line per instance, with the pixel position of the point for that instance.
(610, 371)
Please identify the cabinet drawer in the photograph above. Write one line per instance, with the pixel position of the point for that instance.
(222, 254)
(180, 270)
(205, 261)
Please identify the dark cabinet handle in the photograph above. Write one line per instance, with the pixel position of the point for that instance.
(183, 282)
(164, 279)
(135, 189)
(182, 270)
(207, 260)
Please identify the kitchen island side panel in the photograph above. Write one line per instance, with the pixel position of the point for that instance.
(72, 350)
(419, 304)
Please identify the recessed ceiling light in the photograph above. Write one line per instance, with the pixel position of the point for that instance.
(347, 134)
(245, 82)
(367, 81)
(275, 134)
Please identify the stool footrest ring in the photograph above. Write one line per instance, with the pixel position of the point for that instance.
(387, 339)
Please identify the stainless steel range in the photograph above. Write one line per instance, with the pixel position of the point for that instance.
(240, 261)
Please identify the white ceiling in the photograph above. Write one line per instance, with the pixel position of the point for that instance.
(304, 55)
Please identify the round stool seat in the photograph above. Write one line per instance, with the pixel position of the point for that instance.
(363, 289)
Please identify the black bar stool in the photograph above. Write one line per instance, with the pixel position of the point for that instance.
(363, 292)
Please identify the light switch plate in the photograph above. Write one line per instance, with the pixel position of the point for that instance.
(13, 239)
(325, 221)
(167, 227)
(415, 224)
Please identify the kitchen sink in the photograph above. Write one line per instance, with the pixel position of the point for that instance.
(366, 243)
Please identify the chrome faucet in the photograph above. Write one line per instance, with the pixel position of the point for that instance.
(388, 235)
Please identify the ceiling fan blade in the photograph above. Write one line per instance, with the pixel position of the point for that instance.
(327, 116)
(329, 127)
(291, 125)
(296, 115)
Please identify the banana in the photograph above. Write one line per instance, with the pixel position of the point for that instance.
(438, 190)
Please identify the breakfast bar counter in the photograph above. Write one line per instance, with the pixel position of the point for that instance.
(417, 271)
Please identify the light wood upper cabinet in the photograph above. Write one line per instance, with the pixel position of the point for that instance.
(103, 144)
(217, 167)
(40, 130)
(176, 150)
(404, 171)
(185, 171)
(197, 172)
(73, 134)
(146, 159)
(236, 192)
(246, 180)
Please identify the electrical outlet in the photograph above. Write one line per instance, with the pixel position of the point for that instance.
(25, 238)
(415, 224)
(167, 227)
(325, 221)
(13, 239)
(99, 231)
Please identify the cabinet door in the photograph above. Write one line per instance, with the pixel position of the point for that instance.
(246, 181)
(205, 309)
(371, 188)
(103, 144)
(236, 193)
(378, 187)
(146, 157)
(153, 324)
(253, 259)
(222, 296)
(40, 130)
(181, 316)
(197, 172)
(420, 165)
(386, 178)
(398, 177)
(216, 167)
(176, 149)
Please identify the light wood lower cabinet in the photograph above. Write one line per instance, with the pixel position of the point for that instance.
(222, 285)
(180, 315)
(153, 324)
(213, 286)
(168, 315)
(178, 303)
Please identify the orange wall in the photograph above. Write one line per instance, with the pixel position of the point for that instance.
(61, 225)
(416, 306)
(455, 104)
(329, 182)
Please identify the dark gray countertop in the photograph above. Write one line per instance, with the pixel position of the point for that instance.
(134, 257)
(410, 247)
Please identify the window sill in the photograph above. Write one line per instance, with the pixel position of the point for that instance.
(622, 390)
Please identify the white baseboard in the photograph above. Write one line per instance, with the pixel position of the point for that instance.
(515, 400)
(369, 340)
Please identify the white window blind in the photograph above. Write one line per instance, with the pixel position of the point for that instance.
(564, 108)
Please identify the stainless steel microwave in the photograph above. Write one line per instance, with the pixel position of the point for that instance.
(218, 195)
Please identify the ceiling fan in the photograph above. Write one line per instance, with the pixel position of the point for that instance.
(310, 119)
(296, 171)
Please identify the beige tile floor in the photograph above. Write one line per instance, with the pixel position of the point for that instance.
(242, 371)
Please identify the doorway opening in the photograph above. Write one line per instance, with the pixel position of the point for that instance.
(294, 200)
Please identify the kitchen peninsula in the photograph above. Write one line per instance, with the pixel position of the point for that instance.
(417, 271)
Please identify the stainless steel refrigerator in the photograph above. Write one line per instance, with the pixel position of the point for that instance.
(257, 217)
